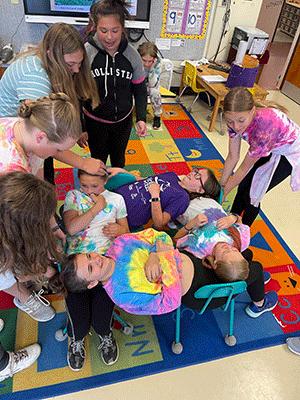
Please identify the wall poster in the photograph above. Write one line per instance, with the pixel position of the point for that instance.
(185, 19)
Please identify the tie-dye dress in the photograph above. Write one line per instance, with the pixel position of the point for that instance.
(129, 288)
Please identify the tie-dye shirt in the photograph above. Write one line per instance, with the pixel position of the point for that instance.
(129, 288)
(12, 156)
(202, 240)
(270, 128)
(91, 238)
(271, 131)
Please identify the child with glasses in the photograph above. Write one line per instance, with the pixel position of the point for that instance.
(153, 67)
(164, 197)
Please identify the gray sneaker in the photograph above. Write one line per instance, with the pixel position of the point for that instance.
(19, 360)
(109, 350)
(76, 354)
(37, 307)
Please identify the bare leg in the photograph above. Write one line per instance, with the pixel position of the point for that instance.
(19, 291)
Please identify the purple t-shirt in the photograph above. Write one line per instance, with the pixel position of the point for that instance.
(174, 199)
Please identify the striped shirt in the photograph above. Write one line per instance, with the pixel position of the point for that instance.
(24, 79)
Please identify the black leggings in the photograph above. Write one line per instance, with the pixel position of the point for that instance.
(4, 357)
(204, 276)
(93, 308)
(109, 140)
(242, 201)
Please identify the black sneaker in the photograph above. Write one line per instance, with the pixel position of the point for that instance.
(156, 123)
(108, 349)
(76, 354)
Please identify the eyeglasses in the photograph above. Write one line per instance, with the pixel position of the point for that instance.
(198, 176)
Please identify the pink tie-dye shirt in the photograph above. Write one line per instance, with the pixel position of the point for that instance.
(270, 129)
(12, 155)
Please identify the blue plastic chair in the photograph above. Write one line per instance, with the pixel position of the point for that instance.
(209, 292)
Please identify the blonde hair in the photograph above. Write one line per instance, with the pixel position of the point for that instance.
(240, 99)
(54, 115)
(148, 48)
(61, 39)
(233, 271)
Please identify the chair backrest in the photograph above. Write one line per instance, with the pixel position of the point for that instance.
(190, 76)
(219, 290)
(166, 73)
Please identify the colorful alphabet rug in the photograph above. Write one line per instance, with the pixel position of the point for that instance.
(178, 146)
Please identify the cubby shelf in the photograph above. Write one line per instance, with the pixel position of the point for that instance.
(289, 18)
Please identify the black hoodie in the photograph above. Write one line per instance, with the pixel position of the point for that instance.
(118, 79)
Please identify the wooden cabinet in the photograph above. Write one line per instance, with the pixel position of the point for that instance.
(289, 18)
(2, 69)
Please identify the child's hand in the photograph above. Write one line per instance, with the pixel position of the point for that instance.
(83, 140)
(162, 246)
(226, 222)
(141, 128)
(113, 171)
(154, 189)
(99, 200)
(153, 64)
(152, 268)
(112, 229)
(94, 167)
(200, 220)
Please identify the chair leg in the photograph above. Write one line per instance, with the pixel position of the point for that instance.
(208, 99)
(230, 339)
(222, 131)
(178, 97)
(127, 327)
(195, 99)
(177, 346)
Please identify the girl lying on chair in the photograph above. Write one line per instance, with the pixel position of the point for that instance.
(144, 274)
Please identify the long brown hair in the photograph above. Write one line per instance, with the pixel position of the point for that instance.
(104, 8)
(27, 244)
(240, 99)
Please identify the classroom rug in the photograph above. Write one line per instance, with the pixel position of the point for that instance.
(178, 146)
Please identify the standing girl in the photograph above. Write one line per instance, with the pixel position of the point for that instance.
(273, 155)
(58, 64)
(119, 74)
(153, 66)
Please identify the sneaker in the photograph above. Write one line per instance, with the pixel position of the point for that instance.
(37, 307)
(267, 277)
(156, 123)
(293, 345)
(76, 354)
(19, 360)
(271, 299)
(108, 349)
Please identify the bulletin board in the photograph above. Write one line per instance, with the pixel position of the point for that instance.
(185, 19)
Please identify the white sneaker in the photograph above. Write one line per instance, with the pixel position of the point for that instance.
(19, 360)
(37, 307)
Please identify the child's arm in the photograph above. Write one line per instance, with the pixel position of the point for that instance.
(199, 220)
(89, 165)
(226, 222)
(114, 229)
(115, 171)
(75, 223)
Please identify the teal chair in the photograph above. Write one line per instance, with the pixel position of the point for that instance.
(209, 292)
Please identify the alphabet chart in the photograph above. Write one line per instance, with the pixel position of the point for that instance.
(185, 19)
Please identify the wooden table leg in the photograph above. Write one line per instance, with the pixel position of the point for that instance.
(214, 114)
